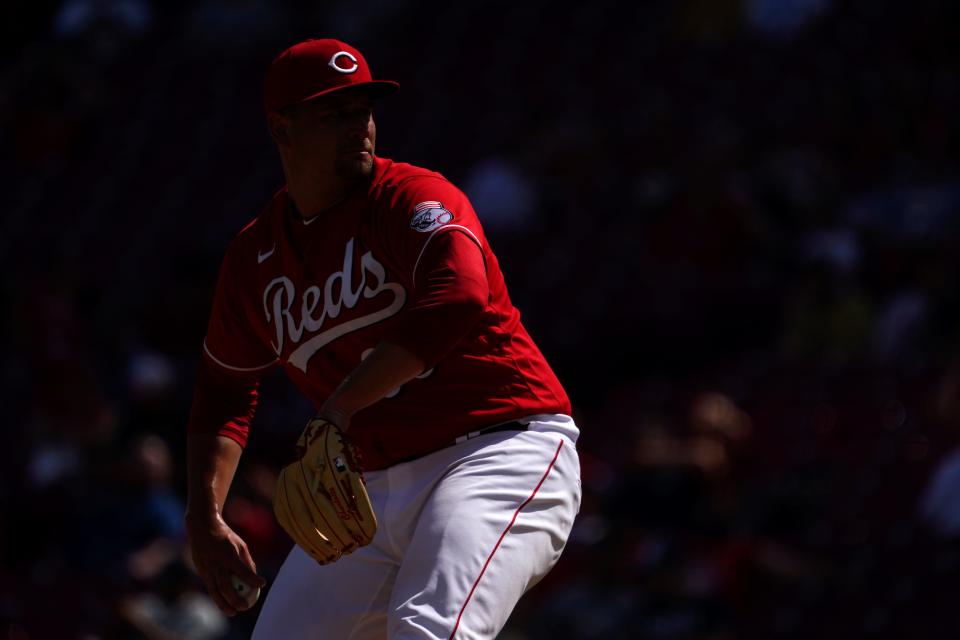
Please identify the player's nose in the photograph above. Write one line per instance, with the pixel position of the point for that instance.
(357, 123)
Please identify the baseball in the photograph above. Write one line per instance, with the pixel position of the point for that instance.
(248, 593)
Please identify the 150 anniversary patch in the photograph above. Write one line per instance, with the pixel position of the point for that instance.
(429, 215)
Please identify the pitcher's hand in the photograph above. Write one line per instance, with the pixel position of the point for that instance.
(219, 552)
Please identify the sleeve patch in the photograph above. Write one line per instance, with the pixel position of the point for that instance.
(430, 215)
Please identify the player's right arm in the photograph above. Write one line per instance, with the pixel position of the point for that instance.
(224, 402)
(217, 550)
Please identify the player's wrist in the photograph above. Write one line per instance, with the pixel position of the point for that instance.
(335, 415)
(205, 516)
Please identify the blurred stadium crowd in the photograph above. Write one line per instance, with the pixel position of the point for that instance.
(732, 225)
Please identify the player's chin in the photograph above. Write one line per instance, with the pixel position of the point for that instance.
(355, 165)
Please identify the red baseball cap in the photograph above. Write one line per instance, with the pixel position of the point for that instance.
(313, 68)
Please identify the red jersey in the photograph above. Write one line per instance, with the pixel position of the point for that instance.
(315, 296)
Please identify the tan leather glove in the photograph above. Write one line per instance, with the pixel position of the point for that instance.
(321, 499)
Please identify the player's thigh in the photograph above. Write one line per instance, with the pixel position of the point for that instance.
(346, 599)
(492, 528)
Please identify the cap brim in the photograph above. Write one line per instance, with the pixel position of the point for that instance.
(377, 89)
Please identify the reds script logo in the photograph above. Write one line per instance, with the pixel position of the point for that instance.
(318, 305)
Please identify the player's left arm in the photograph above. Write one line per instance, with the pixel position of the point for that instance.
(387, 367)
(450, 297)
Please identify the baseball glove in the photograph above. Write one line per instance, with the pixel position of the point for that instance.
(321, 499)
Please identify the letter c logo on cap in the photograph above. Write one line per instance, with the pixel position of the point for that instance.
(343, 54)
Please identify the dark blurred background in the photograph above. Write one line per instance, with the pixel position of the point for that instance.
(732, 226)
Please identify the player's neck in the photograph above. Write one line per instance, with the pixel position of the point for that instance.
(310, 204)
(313, 196)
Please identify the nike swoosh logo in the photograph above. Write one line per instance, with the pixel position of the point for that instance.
(263, 256)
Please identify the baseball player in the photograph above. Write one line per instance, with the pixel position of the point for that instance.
(372, 284)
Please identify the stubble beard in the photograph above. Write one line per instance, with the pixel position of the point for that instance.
(355, 167)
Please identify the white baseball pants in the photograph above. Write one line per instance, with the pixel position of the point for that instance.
(463, 533)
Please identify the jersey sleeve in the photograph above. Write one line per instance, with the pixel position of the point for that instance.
(423, 209)
(234, 357)
(223, 404)
(448, 301)
(435, 238)
(232, 343)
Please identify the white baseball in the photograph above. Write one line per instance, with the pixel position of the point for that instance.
(248, 593)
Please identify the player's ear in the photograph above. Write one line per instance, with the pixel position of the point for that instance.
(278, 124)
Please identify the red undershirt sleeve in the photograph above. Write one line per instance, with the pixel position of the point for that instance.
(223, 404)
(234, 356)
(449, 297)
